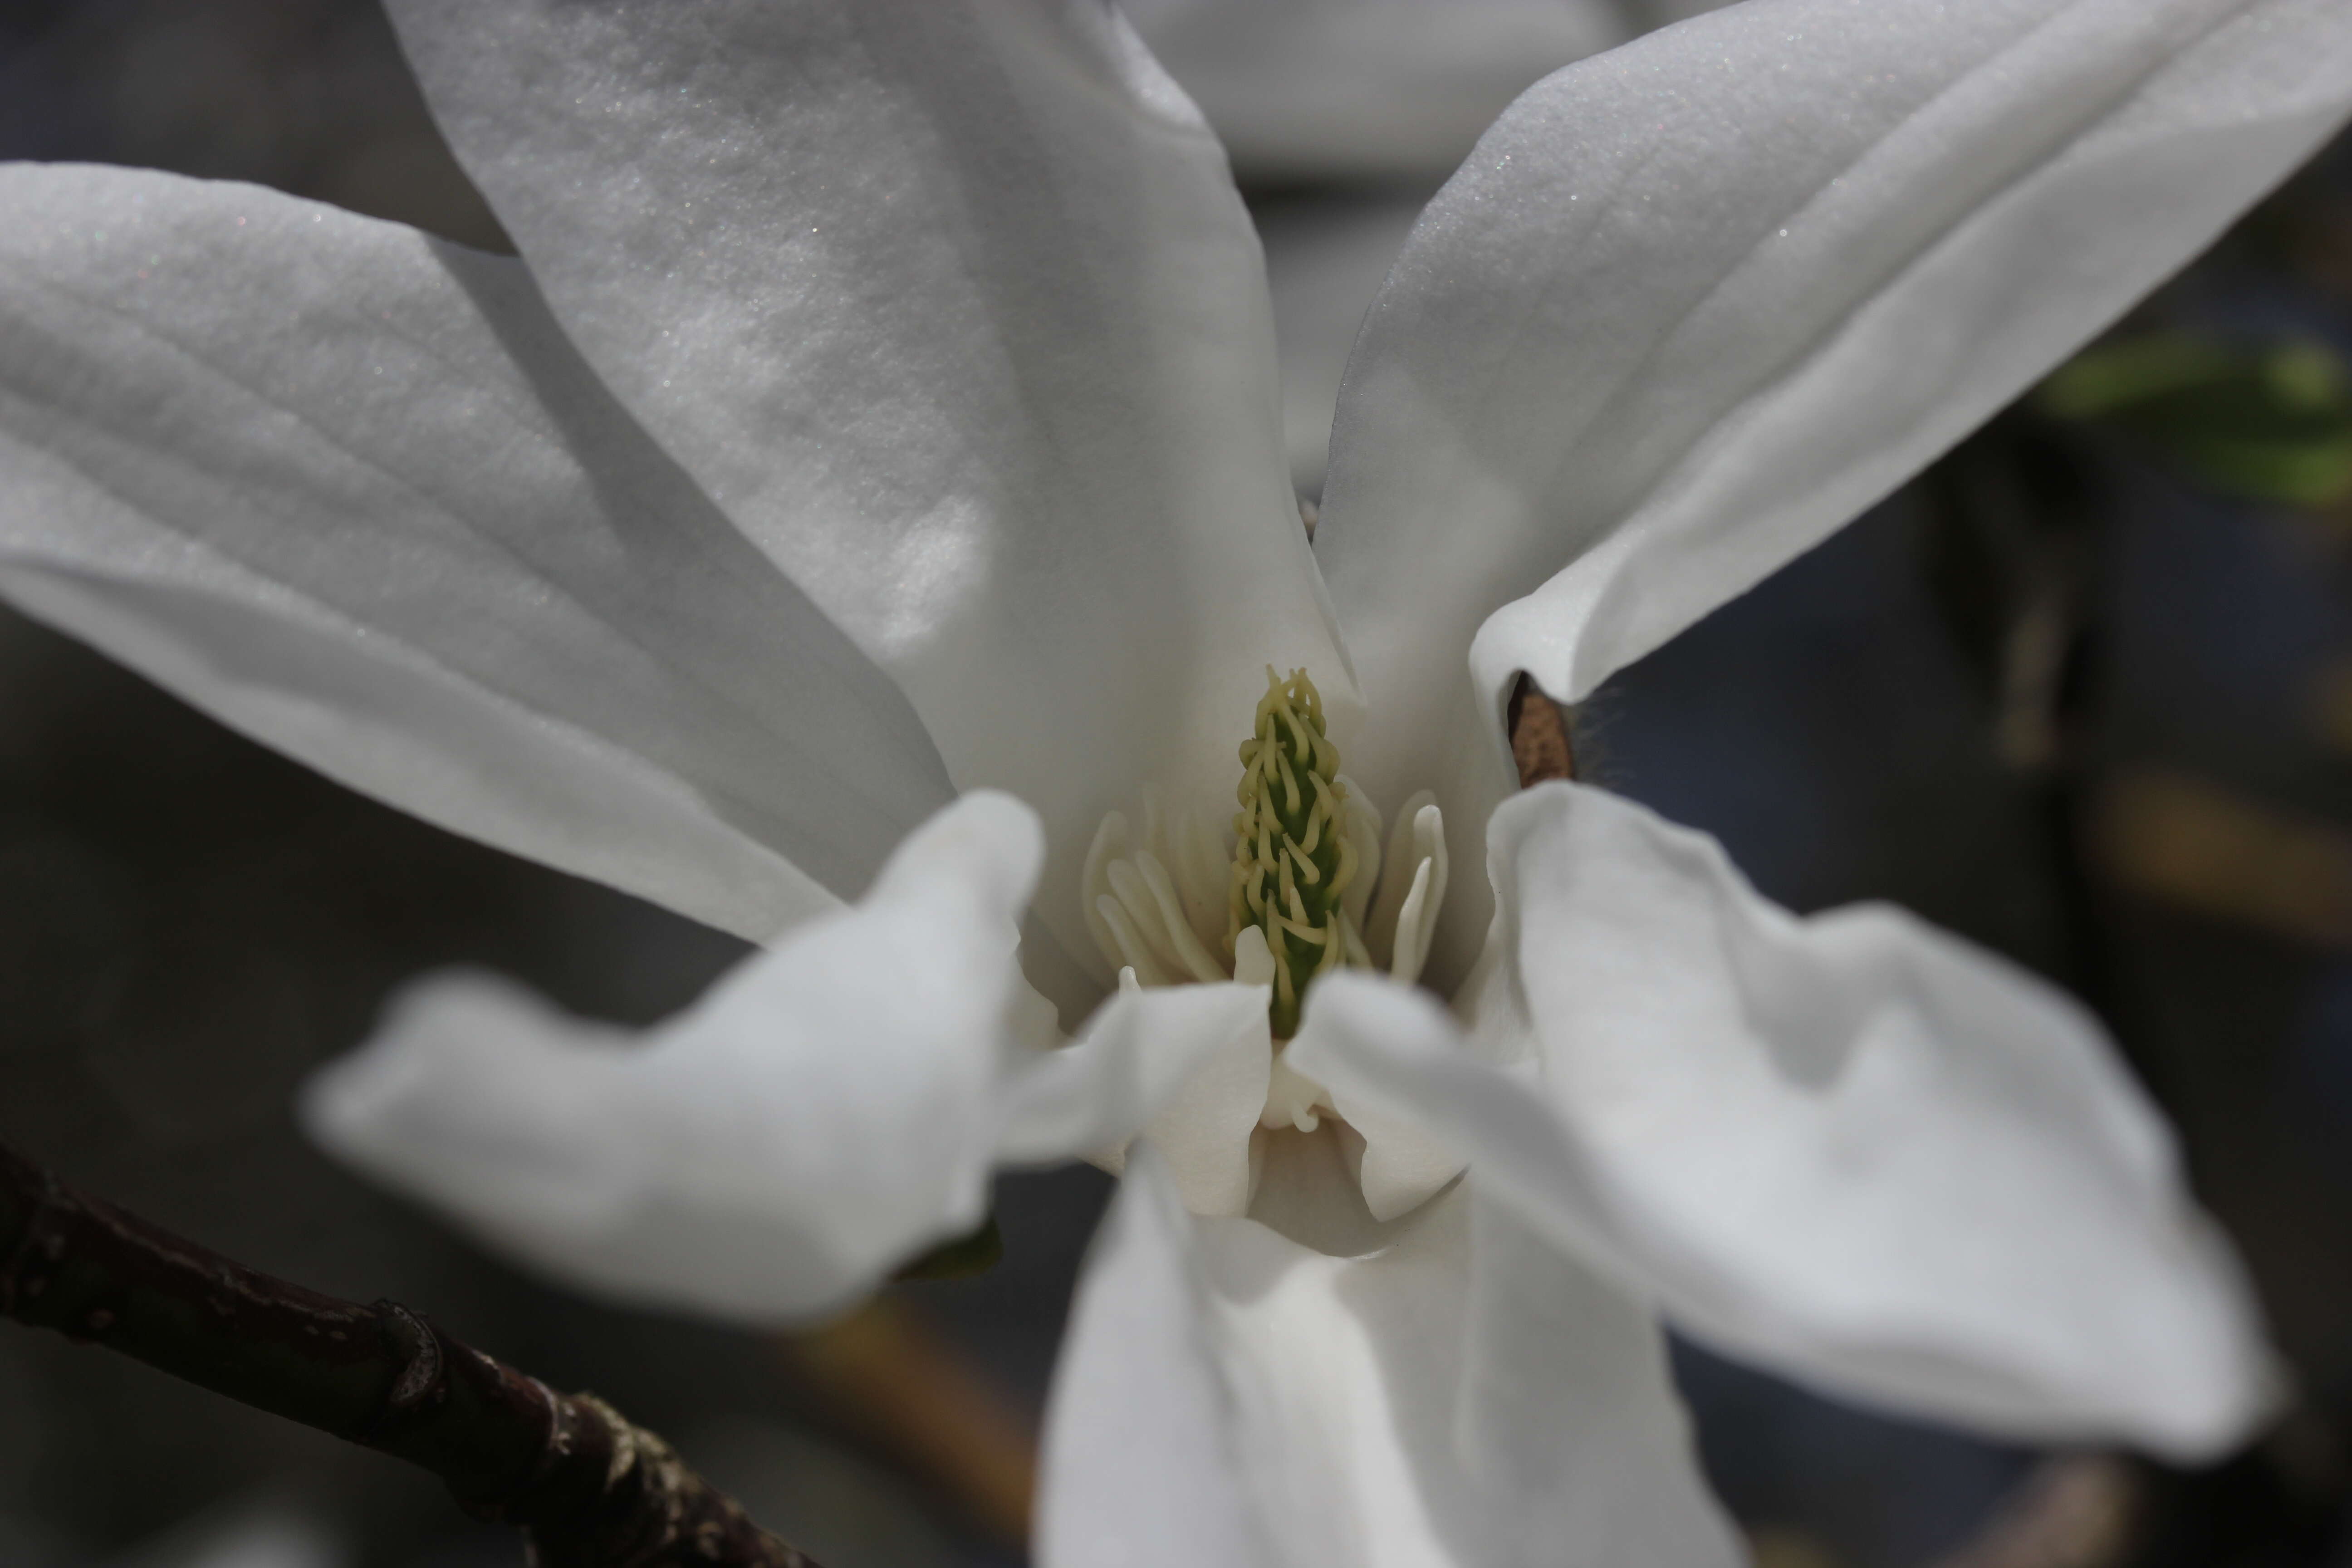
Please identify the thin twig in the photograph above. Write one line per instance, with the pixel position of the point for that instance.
(588, 1488)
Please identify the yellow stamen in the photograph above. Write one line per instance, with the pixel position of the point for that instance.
(1291, 856)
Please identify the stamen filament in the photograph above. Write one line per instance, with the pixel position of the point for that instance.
(1131, 945)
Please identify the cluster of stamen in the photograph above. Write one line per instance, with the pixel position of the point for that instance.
(1293, 899)
(1293, 861)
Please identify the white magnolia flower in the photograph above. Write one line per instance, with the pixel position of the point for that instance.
(883, 407)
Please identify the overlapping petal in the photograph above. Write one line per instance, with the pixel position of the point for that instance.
(1186, 1065)
(1466, 1397)
(1695, 303)
(351, 489)
(1324, 263)
(1400, 1165)
(828, 1109)
(952, 306)
(1848, 1146)
(824, 1110)
(1367, 89)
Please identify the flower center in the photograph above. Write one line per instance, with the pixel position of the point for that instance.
(1294, 862)
(1301, 888)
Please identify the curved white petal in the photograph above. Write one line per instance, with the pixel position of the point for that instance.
(1849, 1146)
(1401, 1166)
(826, 1110)
(1146, 1458)
(1357, 88)
(952, 306)
(1467, 1396)
(350, 489)
(1185, 1065)
(1695, 303)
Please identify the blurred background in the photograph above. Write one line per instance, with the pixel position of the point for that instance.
(2084, 693)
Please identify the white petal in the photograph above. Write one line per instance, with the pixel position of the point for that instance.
(1357, 88)
(1465, 1397)
(1849, 1146)
(1308, 1188)
(1695, 303)
(826, 1110)
(954, 307)
(350, 489)
(1205, 1133)
(1145, 1463)
(1325, 261)
(1183, 1064)
(1401, 1165)
(1568, 1412)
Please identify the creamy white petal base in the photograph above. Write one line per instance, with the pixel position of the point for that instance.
(1398, 1165)
(1849, 1147)
(1466, 1397)
(1185, 1065)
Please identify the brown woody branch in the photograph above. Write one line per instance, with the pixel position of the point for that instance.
(587, 1489)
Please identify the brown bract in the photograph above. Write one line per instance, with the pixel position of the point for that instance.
(1540, 736)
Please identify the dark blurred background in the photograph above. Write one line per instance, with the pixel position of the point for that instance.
(2084, 694)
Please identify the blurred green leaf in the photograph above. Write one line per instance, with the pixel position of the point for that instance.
(2270, 422)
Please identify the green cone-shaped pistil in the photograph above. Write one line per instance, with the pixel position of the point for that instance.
(1292, 859)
